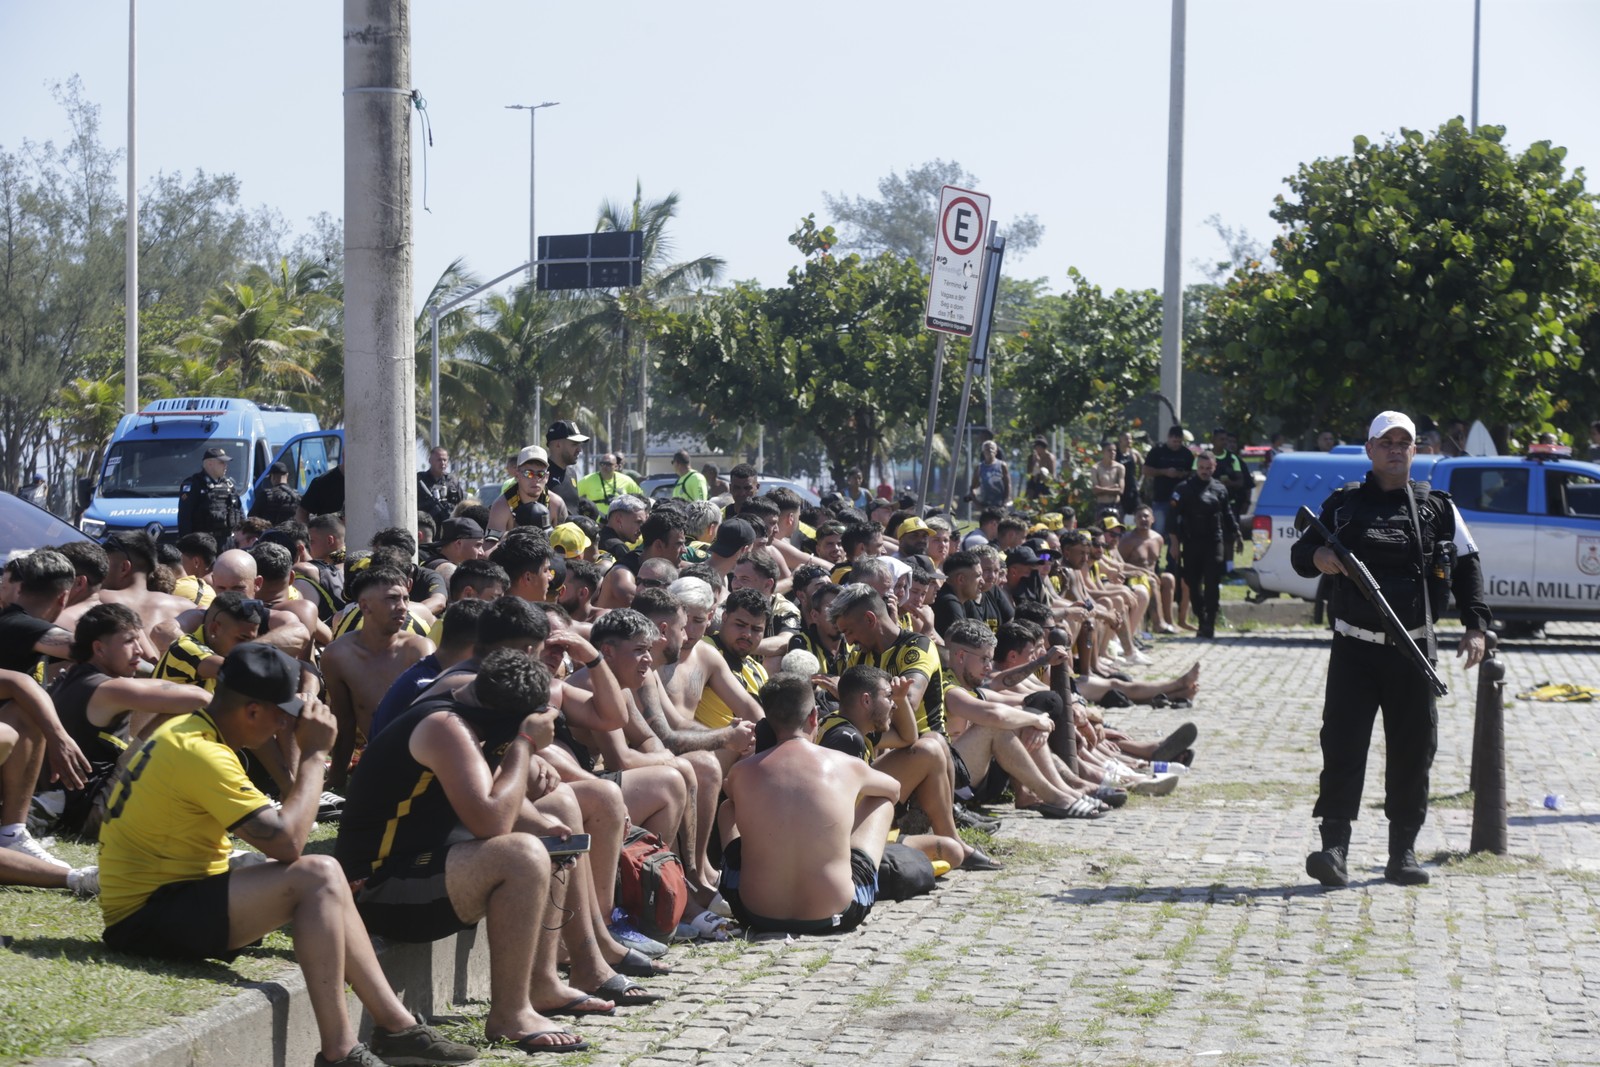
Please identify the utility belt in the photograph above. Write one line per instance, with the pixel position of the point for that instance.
(1376, 637)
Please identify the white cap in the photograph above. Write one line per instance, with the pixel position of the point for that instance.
(1389, 420)
(531, 453)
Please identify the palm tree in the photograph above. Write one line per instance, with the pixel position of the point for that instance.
(616, 317)
(259, 328)
(516, 346)
(89, 410)
(454, 396)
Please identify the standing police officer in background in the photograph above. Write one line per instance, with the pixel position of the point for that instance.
(1205, 534)
(208, 502)
(1418, 549)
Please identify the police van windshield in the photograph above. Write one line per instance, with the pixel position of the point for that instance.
(156, 467)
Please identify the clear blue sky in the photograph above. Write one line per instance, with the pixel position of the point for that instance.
(750, 111)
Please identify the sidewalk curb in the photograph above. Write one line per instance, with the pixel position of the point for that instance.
(271, 1022)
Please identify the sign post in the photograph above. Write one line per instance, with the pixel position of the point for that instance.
(980, 343)
(955, 287)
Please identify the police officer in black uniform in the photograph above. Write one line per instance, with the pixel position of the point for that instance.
(208, 502)
(1205, 535)
(277, 501)
(438, 492)
(1419, 551)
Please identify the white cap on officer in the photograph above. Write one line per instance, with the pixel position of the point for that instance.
(1388, 420)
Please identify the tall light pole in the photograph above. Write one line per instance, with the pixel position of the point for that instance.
(533, 115)
(1172, 283)
(130, 301)
(1477, 38)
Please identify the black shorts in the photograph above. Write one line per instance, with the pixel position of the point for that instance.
(180, 921)
(863, 875)
(406, 899)
(614, 777)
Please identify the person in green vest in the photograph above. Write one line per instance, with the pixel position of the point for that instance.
(607, 483)
(691, 484)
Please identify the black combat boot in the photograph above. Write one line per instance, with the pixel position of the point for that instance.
(1328, 866)
(1403, 868)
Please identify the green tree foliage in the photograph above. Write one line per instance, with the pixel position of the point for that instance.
(1082, 356)
(904, 218)
(1443, 275)
(839, 352)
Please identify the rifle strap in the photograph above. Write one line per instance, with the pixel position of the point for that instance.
(1422, 573)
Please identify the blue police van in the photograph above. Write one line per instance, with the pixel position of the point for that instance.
(1535, 519)
(152, 452)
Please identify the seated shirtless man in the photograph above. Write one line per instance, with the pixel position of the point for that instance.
(361, 666)
(807, 825)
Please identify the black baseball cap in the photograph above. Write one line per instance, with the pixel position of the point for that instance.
(460, 529)
(217, 453)
(278, 468)
(261, 672)
(1022, 557)
(733, 537)
(562, 430)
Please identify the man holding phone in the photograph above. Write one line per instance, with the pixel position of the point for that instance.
(435, 837)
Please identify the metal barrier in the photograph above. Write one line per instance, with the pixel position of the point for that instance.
(1488, 778)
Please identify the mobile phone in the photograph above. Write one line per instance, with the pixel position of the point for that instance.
(571, 846)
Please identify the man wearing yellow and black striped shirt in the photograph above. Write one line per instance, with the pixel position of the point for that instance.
(196, 656)
(869, 626)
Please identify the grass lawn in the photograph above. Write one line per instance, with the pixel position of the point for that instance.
(60, 986)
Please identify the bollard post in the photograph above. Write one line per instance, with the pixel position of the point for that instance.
(1066, 745)
(1489, 755)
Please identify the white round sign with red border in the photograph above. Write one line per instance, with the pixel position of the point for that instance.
(955, 280)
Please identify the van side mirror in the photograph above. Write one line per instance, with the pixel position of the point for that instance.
(85, 493)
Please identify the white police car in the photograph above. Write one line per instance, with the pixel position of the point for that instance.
(1535, 518)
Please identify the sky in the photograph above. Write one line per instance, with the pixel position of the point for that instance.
(751, 111)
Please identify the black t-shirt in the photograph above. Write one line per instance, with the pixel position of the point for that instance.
(993, 608)
(425, 582)
(19, 632)
(564, 487)
(1160, 457)
(948, 609)
(325, 495)
(841, 735)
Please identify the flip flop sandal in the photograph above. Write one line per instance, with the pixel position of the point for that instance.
(625, 992)
(636, 964)
(528, 1043)
(1175, 742)
(1111, 796)
(571, 1008)
(1082, 808)
(1158, 786)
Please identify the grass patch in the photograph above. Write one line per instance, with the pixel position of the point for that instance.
(1207, 792)
(1487, 863)
(1462, 800)
(1142, 1004)
(60, 986)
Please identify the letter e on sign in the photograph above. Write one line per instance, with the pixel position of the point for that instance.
(955, 280)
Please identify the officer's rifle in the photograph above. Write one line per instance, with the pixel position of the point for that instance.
(1358, 573)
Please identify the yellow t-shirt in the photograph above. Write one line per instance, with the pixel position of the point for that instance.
(169, 813)
(195, 589)
(712, 711)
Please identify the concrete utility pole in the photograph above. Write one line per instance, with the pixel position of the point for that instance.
(379, 337)
(1172, 283)
(533, 157)
(1477, 43)
(130, 284)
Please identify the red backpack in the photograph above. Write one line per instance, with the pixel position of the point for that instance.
(651, 887)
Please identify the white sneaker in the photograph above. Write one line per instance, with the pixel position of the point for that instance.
(84, 882)
(1138, 658)
(720, 907)
(26, 844)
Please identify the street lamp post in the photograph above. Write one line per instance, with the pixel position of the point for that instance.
(533, 115)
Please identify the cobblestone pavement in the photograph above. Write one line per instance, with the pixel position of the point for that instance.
(1183, 930)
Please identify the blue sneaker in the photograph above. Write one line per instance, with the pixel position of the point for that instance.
(624, 931)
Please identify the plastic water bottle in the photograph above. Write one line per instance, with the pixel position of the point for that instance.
(1166, 767)
(1555, 801)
